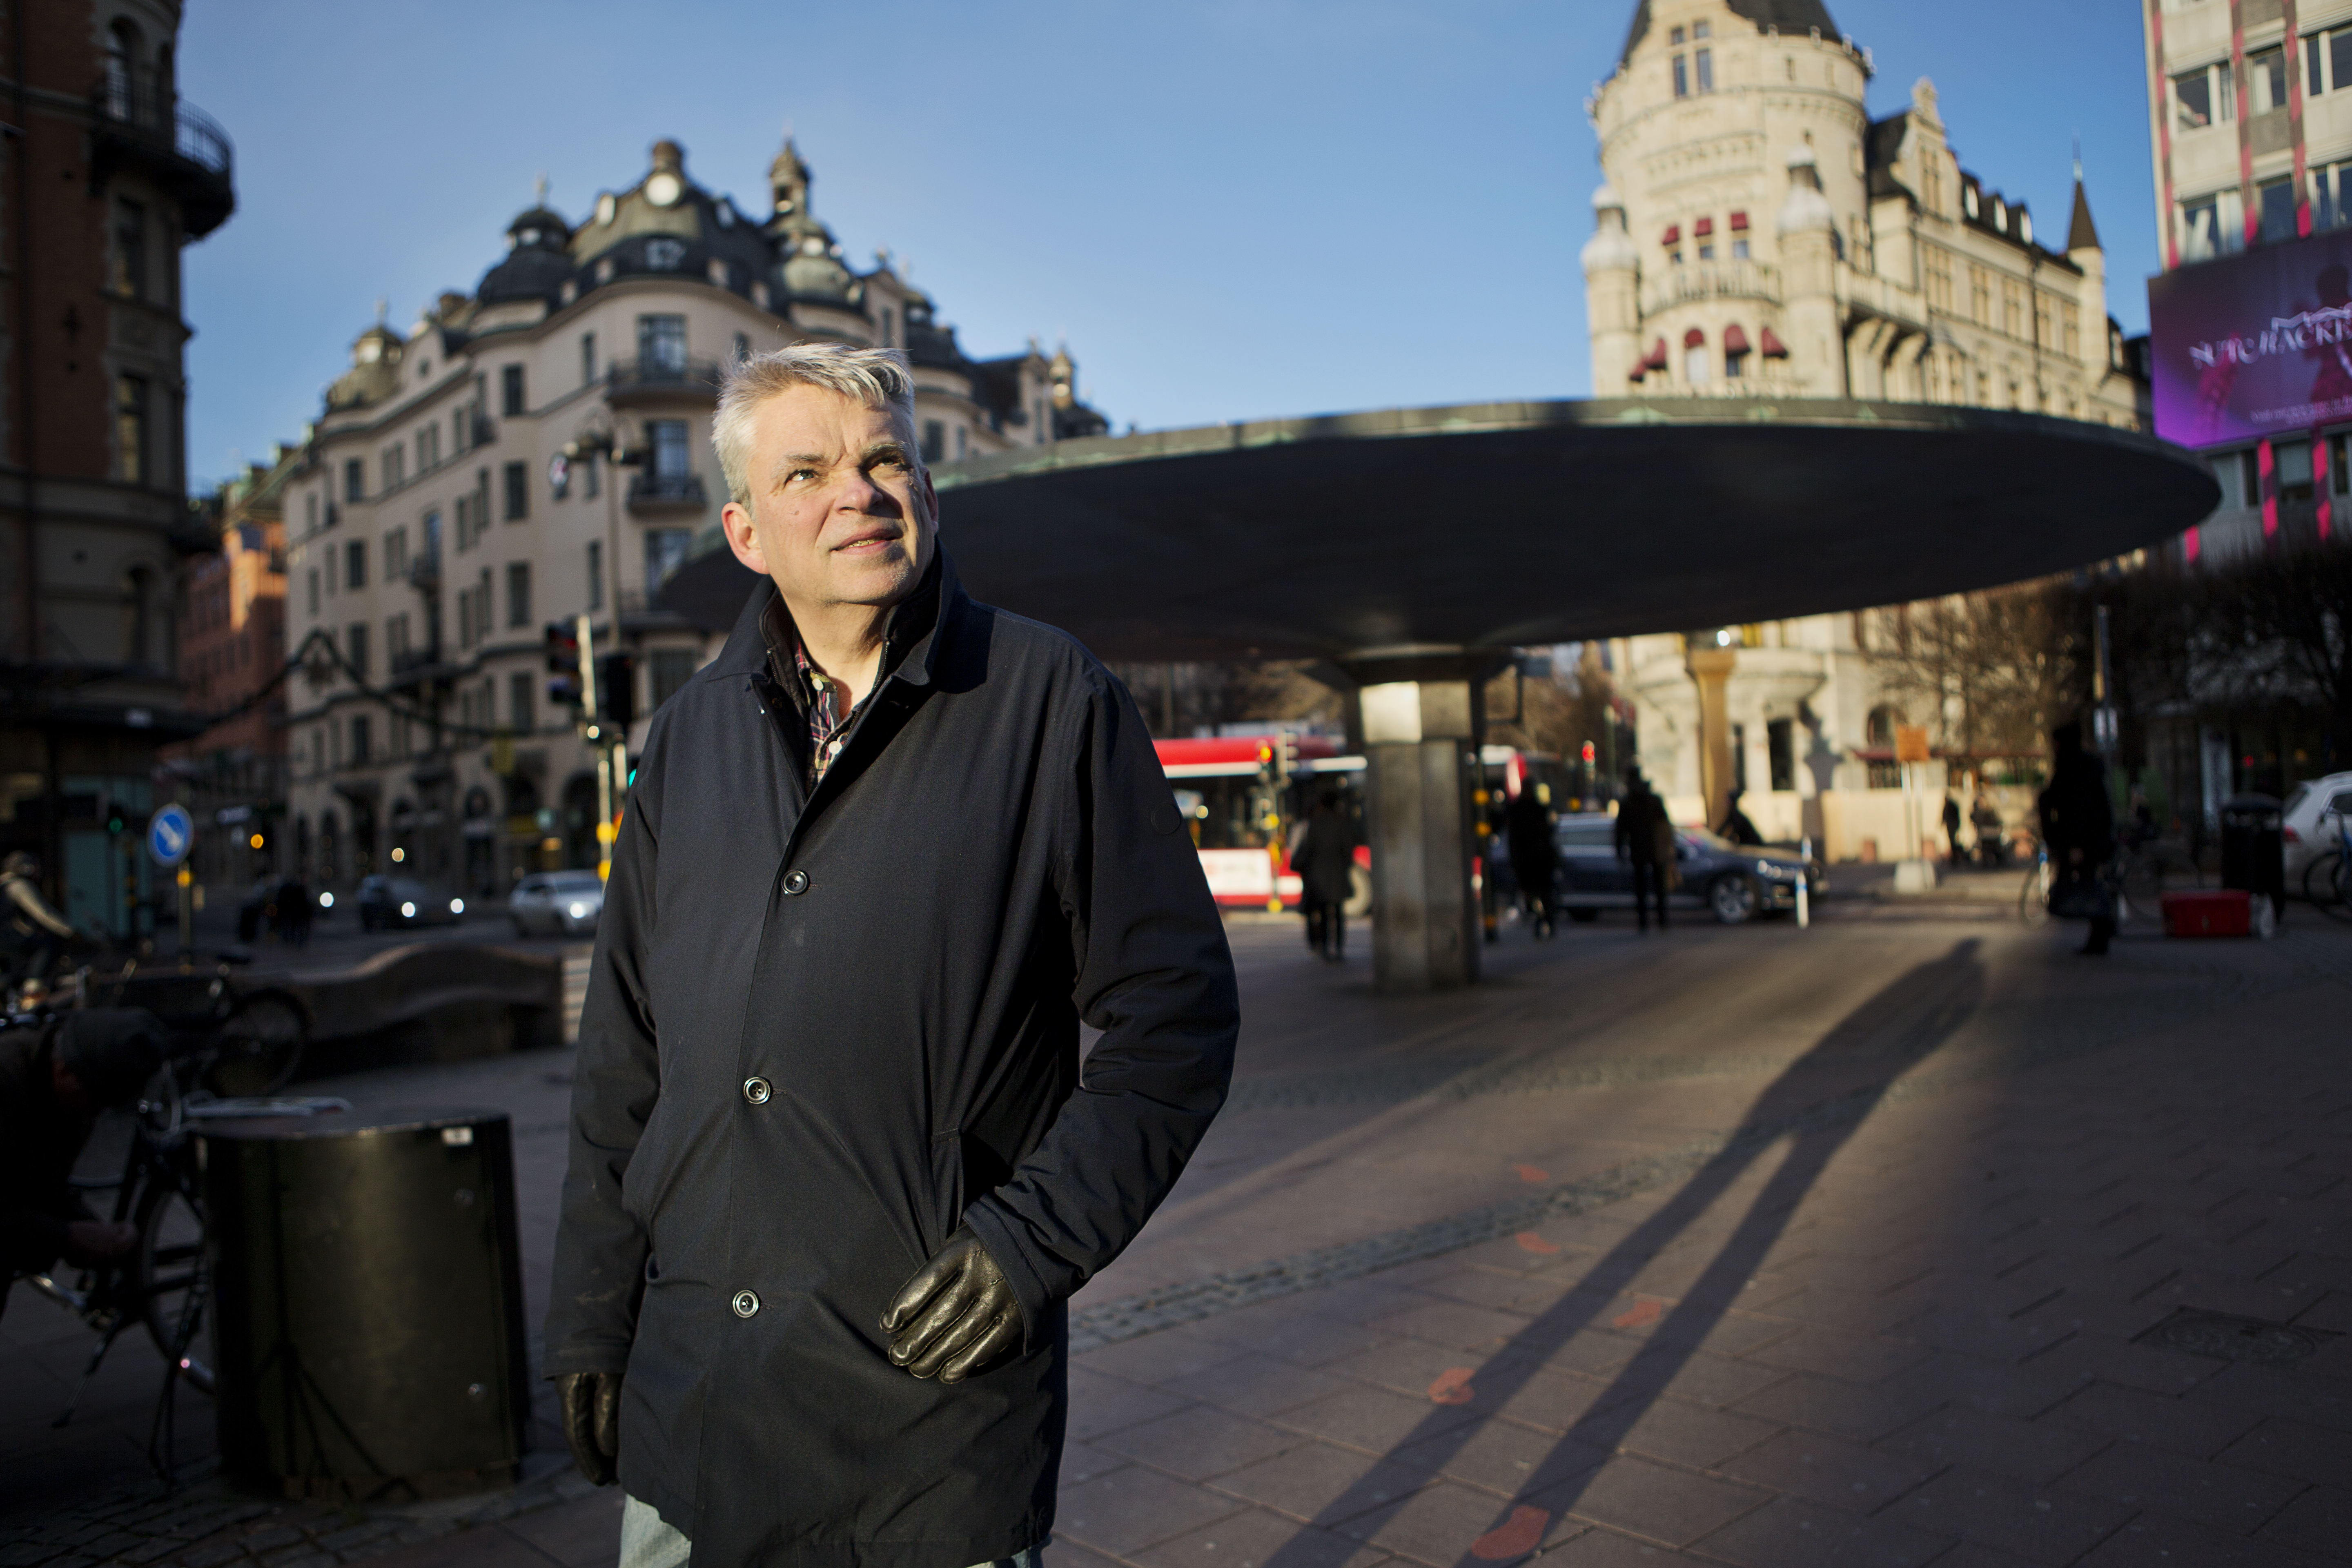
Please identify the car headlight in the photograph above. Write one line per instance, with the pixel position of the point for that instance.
(1776, 871)
(578, 912)
(456, 906)
(408, 911)
(326, 900)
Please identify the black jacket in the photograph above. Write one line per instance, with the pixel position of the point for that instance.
(1527, 826)
(1324, 857)
(39, 1142)
(902, 956)
(1640, 815)
(2077, 812)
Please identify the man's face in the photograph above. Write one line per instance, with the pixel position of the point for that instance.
(841, 510)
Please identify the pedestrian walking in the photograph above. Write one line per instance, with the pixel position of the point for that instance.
(1325, 856)
(1534, 854)
(1735, 827)
(1985, 817)
(1645, 841)
(295, 911)
(2078, 823)
(1952, 826)
(833, 1174)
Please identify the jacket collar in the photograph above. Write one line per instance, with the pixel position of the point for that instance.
(911, 638)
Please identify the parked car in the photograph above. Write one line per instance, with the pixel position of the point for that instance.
(2309, 829)
(388, 901)
(556, 903)
(1732, 882)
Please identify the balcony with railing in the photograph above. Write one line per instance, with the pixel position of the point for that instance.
(661, 378)
(663, 494)
(1695, 281)
(142, 123)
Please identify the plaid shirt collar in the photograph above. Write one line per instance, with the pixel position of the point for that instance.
(829, 711)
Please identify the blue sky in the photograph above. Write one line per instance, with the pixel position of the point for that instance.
(1230, 208)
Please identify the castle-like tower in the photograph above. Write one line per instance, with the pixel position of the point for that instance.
(1760, 235)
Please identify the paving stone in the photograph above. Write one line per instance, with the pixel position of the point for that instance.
(1653, 1500)
(1670, 1429)
(1788, 1533)
(1100, 1402)
(2198, 1429)
(1157, 1358)
(1200, 1442)
(1851, 1358)
(1698, 1376)
(2295, 1392)
(1254, 1385)
(2038, 1524)
(1841, 1409)
(1456, 1324)
(1128, 1510)
(2005, 1389)
(1372, 1419)
(2153, 1541)
(1597, 1548)
(2222, 1496)
(2320, 1520)
(1445, 1524)
(2031, 1451)
(2283, 1448)
(1829, 1470)
(1060, 1553)
(1320, 1483)
(1501, 1456)
(2088, 1356)
(1252, 1538)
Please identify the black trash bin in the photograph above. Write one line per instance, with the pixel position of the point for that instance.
(2253, 847)
(367, 1303)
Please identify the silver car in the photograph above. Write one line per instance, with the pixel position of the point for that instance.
(557, 903)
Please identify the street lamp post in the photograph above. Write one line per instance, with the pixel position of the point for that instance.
(600, 440)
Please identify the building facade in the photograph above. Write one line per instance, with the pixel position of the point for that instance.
(105, 175)
(539, 450)
(1758, 234)
(232, 626)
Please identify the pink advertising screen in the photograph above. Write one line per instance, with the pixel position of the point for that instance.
(2253, 346)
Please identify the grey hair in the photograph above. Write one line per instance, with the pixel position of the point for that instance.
(878, 378)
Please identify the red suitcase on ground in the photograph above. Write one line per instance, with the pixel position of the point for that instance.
(2228, 911)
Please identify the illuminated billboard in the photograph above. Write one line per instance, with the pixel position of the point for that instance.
(2255, 347)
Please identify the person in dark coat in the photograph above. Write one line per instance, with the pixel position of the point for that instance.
(1535, 856)
(2078, 823)
(1645, 841)
(1952, 827)
(1737, 828)
(835, 1164)
(1325, 859)
(54, 1081)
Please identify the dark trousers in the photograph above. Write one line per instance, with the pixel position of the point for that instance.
(1649, 881)
(1539, 894)
(1326, 929)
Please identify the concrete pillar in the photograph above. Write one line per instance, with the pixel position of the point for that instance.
(1710, 668)
(1419, 739)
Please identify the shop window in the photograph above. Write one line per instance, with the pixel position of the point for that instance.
(1780, 752)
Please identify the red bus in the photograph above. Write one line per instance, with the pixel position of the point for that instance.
(1242, 795)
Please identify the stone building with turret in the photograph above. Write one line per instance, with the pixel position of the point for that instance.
(1758, 234)
(538, 450)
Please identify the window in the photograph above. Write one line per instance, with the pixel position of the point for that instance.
(935, 440)
(962, 442)
(432, 550)
(312, 596)
(1979, 297)
(396, 554)
(311, 514)
(458, 425)
(1682, 75)
(1780, 752)
(1738, 250)
(2266, 80)
(672, 453)
(2339, 61)
(591, 484)
(360, 740)
(1937, 266)
(2294, 458)
(396, 638)
(596, 574)
(354, 479)
(2278, 219)
(2250, 477)
(2012, 308)
(465, 529)
(1696, 366)
(2338, 480)
(587, 359)
(130, 454)
(519, 592)
(518, 477)
(355, 564)
(395, 465)
(672, 667)
(2201, 229)
(2331, 190)
(522, 694)
(510, 391)
(661, 345)
(666, 550)
(1703, 61)
(2203, 97)
(355, 649)
(131, 249)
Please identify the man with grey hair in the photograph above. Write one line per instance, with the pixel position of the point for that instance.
(835, 1164)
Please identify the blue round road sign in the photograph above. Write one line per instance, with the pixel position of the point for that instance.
(171, 834)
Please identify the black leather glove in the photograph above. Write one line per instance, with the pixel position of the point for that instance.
(591, 1422)
(956, 1315)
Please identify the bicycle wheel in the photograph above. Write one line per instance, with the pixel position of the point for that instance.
(257, 1050)
(2319, 880)
(2033, 899)
(2339, 890)
(171, 1274)
(2138, 879)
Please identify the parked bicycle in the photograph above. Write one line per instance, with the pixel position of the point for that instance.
(2135, 878)
(2328, 879)
(254, 1036)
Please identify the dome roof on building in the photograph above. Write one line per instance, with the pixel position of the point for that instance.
(1797, 16)
(538, 258)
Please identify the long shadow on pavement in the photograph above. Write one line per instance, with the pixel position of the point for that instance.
(1815, 1102)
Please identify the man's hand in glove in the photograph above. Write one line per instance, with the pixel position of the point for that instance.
(591, 1421)
(956, 1315)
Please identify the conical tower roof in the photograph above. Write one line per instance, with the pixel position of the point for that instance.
(2082, 233)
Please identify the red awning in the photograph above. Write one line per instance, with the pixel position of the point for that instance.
(1702, 227)
(1774, 347)
(1734, 341)
(1694, 339)
(1738, 222)
(1673, 236)
(1657, 360)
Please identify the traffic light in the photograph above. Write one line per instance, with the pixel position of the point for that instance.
(617, 689)
(563, 663)
(116, 820)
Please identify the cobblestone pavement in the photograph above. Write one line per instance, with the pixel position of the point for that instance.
(1897, 1242)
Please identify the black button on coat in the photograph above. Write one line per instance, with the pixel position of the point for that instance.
(994, 855)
